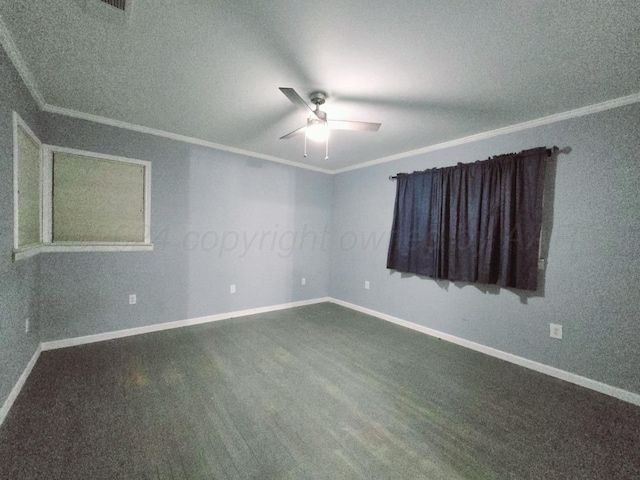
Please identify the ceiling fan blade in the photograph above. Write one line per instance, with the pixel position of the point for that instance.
(294, 133)
(350, 125)
(297, 100)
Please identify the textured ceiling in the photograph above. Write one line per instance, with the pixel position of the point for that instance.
(430, 71)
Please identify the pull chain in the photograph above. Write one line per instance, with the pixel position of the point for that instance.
(305, 144)
(326, 148)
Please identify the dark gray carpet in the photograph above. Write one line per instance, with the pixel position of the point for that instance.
(318, 392)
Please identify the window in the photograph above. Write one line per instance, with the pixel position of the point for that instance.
(478, 222)
(27, 179)
(70, 200)
(96, 202)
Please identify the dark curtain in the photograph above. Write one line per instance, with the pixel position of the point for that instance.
(477, 222)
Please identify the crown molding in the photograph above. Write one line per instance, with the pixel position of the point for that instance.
(9, 45)
(6, 40)
(556, 117)
(174, 136)
(12, 50)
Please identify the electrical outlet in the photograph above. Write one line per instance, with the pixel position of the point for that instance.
(133, 299)
(304, 281)
(26, 325)
(366, 284)
(555, 331)
(232, 289)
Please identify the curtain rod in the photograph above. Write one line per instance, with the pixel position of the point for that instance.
(550, 151)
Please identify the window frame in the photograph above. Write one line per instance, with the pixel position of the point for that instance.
(50, 246)
(45, 190)
(28, 250)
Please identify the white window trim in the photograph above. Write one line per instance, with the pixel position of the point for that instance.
(50, 246)
(23, 251)
(80, 247)
(46, 189)
(95, 247)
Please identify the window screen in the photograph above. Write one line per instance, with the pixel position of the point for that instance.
(97, 200)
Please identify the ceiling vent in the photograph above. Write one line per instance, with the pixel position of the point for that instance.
(111, 11)
(119, 4)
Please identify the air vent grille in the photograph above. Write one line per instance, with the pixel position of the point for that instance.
(119, 4)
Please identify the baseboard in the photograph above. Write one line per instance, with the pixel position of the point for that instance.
(523, 362)
(101, 337)
(616, 392)
(15, 391)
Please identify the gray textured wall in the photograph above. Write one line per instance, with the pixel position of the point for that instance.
(18, 281)
(217, 219)
(592, 227)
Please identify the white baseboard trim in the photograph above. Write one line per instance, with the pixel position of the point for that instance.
(8, 403)
(616, 392)
(523, 362)
(101, 337)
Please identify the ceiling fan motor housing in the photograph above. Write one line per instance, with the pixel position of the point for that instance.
(318, 98)
(318, 119)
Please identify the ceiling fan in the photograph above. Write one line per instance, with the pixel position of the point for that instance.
(318, 126)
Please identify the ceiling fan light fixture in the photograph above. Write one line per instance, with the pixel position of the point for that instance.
(317, 127)
(317, 130)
